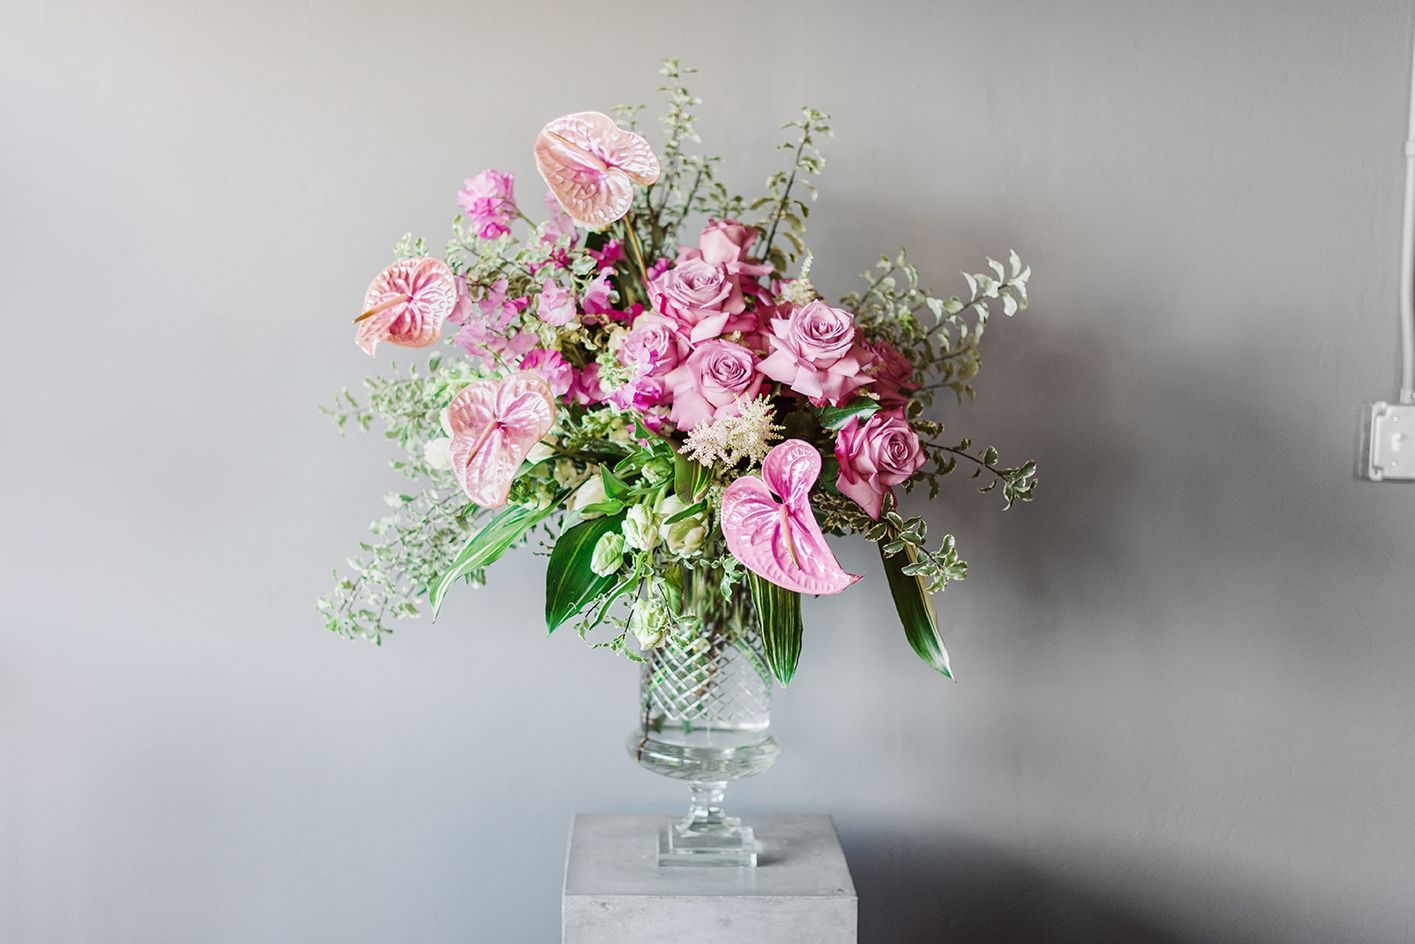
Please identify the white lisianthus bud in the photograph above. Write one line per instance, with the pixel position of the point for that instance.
(437, 453)
(640, 528)
(446, 417)
(539, 453)
(590, 493)
(566, 473)
(608, 554)
(649, 624)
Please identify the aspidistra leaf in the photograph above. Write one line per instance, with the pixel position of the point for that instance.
(570, 584)
(779, 618)
(916, 609)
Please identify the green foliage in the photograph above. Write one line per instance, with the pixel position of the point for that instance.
(915, 607)
(779, 618)
(487, 545)
(570, 582)
(786, 212)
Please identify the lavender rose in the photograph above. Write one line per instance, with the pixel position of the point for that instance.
(711, 381)
(700, 296)
(875, 457)
(814, 352)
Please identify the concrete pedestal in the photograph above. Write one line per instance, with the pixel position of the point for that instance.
(615, 893)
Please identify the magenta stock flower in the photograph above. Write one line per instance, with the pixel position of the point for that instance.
(711, 382)
(488, 203)
(769, 526)
(552, 367)
(814, 353)
(407, 304)
(555, 304)
(875, 456)
(702, 298)
(592, 165)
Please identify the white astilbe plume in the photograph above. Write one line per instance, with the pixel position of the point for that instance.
(730, 439)
(799, 291)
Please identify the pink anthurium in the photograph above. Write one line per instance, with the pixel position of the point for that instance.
(407, 304)
(591, 165)
(770, 528)
(494, 425)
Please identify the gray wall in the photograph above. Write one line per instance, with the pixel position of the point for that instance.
(1184, 711)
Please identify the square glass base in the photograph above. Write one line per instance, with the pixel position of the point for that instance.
(726, 845)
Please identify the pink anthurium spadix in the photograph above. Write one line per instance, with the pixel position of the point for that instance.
(770, 528)
(591, 165)
(407, 304)
(494, 425)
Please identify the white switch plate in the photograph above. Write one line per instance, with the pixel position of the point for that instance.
(1389, 441)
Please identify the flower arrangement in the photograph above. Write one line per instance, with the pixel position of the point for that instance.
(666, 412)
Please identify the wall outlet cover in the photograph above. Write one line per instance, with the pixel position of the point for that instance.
(1388, 442)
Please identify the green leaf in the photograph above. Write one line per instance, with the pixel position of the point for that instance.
(916, 610)
(779, 617)
(834, 418)
(693, 509)
(690, 478)
(490, 543)
(570, 584)
(613, 486)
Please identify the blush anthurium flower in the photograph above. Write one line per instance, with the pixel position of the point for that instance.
(768, 524)
(591, 165)
(494, 427)
(407, 304)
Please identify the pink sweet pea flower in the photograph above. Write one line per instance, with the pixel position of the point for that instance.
(711, 382)
(893, 373)
(554, 368)
(599, 296)
(814, 352)
(586, 389)
(639, 395)
(487, 202)
(702, 297)
(555, 304)
(559, 225)
(876, 456)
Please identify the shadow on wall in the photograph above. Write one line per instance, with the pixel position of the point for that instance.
(919, 888)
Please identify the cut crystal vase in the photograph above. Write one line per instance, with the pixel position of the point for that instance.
(705, 707)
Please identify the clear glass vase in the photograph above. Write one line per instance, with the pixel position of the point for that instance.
(705, 707)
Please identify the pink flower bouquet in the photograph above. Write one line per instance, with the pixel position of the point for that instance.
(648, 378)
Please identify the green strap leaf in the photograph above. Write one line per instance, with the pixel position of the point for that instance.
(916, 609)
(779, 617)
(570, 584)
(834, 418)
(690, 478)
(490, 543)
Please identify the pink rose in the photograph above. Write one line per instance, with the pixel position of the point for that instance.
(725, 241)
(487, 202)
(711, 381)
(553, 367)
(875, 457)
(556, 304)
(893, 373)
(652, 347)
(814, 353)
(702, 298)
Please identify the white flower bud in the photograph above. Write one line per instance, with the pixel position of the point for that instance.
(590, 493)
(608, 554)
(649, 624)
(437, 453)
(640, 528)
(539, 453)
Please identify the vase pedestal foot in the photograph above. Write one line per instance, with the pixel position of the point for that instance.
(705, 837)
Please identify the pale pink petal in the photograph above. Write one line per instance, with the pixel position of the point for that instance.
(410, 301)
(591, 165)
(493, 427)
(770, 528)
